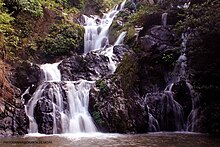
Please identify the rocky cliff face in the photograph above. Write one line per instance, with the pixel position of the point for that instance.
(13, 120)
(113, 111)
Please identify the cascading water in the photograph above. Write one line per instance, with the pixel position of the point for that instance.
(51, 72)
(165, 109)
(96, 29)
(69, 101)
(96, 34)
(164, 19)
(62, 106)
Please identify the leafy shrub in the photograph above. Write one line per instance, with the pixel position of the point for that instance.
(101, 84)
(97, 117)
(34, 7)
(63, 39)
(203, 18)
(5, 19)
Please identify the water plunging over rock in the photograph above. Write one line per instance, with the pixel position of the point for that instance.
(60, 102)
(164, 19)
(96, 29)
(59, 106)
(175, 108)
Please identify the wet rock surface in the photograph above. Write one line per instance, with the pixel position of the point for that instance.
(46, 112)
(113, 112)
(90, 66)
(13, 120)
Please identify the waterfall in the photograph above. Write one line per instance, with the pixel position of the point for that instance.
(120, 38)
(96, 34)
(164, 19)
(59, 106)
(164, 109)
(73, 117)
(51, 72)
(96, 29)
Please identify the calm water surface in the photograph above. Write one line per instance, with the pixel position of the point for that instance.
(160, 139)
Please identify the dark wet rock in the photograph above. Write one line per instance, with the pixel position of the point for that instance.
(157, 53)
(112, 112)
(166, 111)
(120, 51)
(44, 116)
(182, 94)
(90, 66)
(46, 111)
(159, 38)
(26, 75)
(13, 120)
(21, 124)
(149, 21)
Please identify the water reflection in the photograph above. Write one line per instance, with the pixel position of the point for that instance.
(98, 139)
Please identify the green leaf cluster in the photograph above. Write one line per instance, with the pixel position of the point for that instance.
(203, 18)
(62, 40)
(96, 115)
(102, 85)
(5, 19)
(34, 7)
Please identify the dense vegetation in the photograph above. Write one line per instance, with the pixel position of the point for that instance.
(35, 29)
(203, 21)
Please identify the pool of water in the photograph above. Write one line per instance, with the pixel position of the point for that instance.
(161, 139)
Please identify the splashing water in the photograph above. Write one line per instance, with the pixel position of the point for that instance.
(62, 106)
(74, 117)
(96, 29)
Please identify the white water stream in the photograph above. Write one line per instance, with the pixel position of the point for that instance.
(96, 29)
(74, 117)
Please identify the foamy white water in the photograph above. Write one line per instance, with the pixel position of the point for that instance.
(96, 29)
(70, 99)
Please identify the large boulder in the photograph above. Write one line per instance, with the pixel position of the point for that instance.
(113, 112)
(91, 66)
(13, 120)
(46, 110)
(157, 53)
(25, 75)
(44, 116)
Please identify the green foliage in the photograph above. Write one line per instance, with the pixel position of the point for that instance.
(5, 19)
(97, 118)
(101, 84)
(144, 9)
(52, 4)
(34, 7)
(203, 18)
(19, 41)
(128, 70)
(105, 5)
(24, 25)
(62, 40)
(5, 28)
